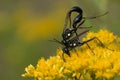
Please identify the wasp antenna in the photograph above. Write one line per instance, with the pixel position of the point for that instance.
(55, 40)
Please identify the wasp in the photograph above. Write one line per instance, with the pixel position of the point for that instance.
(70, 42)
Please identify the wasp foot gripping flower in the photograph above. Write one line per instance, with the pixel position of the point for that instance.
(82, 65)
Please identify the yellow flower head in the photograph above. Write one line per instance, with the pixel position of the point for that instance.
(82, 64)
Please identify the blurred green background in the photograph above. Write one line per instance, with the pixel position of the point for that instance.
(27, 25)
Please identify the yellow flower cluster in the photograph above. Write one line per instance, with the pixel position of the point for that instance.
(83, 64)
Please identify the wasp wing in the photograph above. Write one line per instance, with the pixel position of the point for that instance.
(68, 17)
(79, 35)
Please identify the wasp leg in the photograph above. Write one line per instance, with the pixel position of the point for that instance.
(75, 51)
(86, 42)
(94, 17)
(63, 57)
(79, 24)
(90, 48)
(77, 35)
(101, 44)
(85, 27)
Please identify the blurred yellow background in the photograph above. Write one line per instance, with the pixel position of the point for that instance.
(27, 25)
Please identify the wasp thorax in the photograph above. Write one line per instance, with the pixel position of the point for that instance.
(67, 34)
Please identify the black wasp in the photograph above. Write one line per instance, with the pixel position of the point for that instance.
(68, 41)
